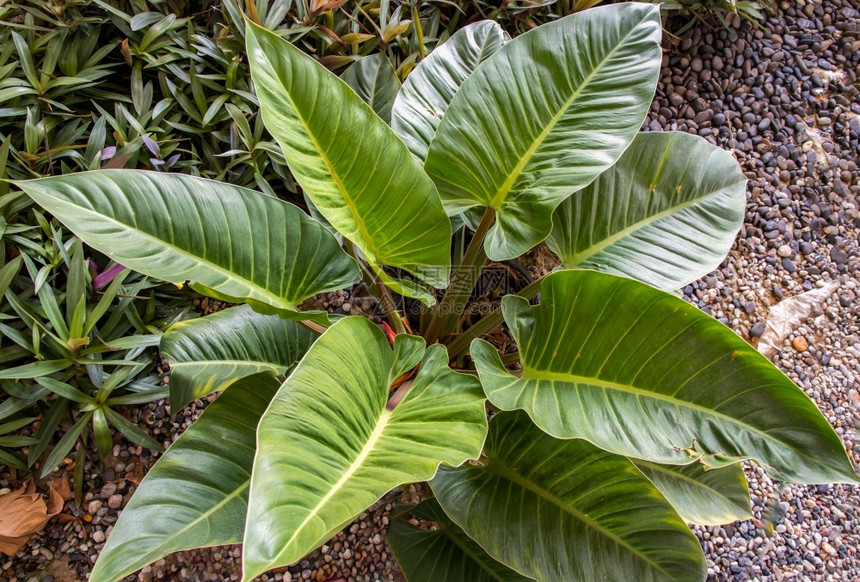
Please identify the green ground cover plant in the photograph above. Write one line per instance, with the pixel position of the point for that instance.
(87, 85)
(619, 414)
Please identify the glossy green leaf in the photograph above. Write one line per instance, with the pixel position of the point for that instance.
(65, 390)
(62, 448)
(443, 553)
(212, 352)
(196, 494)
(405, 287)
(232, 242)
(356, 171)
(701, 495)
(34, 369)
(566, 511)
(328, 446)
(645, 374)
(374, 80)
(102, 432)
(665, 214)
(430, 87)
(132, 432)
(11, 460)
(543, 117)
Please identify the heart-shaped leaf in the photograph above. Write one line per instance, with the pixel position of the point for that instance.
(645, 374)
(356, 171)
(701, 495)
(444, 552)
(565, 511)
(665, 214)
(232, 242)
(212, 352)
(196, 495)
(328, 446)
(374, 80)
(543, 117)
(428, 90)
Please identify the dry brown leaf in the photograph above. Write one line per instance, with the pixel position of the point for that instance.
(788, 314)
(61, 485)
(23, 513)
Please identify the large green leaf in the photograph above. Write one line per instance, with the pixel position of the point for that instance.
(543, 117)
(374, 80)
(231, 242)
(430, 87)
(196, 495)
(665, 214)
(565, 511)
(356, 171)
(210, 353)
(328, 446)
(701, 495)
(444, 553)
(642, 373)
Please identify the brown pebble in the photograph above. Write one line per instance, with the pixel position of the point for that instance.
(800, 344)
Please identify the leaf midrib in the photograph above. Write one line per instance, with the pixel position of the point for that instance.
(506, 472)
(157, 551)
(657, 467)
(354, 467)
(577, 258)
(263, 293)
(532, 374)
(367, 241)
(259, 363)
(500, 196)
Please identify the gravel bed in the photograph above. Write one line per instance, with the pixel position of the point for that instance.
(784, 99)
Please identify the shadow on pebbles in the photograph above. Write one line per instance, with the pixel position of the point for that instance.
(784, 99)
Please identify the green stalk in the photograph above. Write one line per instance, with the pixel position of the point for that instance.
(389, 307)
(459, 247)
(461, 344)
(367, 276)
(378, 289)
(416, 21)
(313, 326)
(489, 322)
(458, 293)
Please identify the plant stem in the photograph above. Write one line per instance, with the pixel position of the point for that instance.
(378, 289)
(313, 326)
(461, 344)
(367, 276)
(389, 307)
(461, 287)
(532, 289)
(459, 248)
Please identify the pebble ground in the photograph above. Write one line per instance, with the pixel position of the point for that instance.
(784, 99)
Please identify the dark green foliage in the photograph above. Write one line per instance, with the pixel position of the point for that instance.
(162, 86)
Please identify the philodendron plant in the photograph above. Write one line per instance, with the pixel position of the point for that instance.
(623, 413)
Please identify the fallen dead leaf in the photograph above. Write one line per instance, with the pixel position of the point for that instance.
(61, 485)
(788, 314)
(23, 513)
